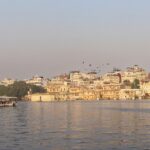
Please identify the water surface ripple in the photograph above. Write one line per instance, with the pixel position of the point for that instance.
(77, 125)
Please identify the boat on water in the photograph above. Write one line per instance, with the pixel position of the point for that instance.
(6, 101)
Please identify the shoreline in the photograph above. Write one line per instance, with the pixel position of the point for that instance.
(85, 100)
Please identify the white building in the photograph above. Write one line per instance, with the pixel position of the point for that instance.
(38, 81)
(145, 87)
(7, 82)
(89, 75)
(133, 73)
(128, 94)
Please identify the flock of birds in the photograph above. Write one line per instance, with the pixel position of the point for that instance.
(92, 67)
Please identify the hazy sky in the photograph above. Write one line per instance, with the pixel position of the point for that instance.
(48, 37)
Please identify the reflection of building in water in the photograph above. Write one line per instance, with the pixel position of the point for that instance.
(74, 113)
(121, 119)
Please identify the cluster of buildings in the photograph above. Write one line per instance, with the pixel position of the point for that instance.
(38, 81)
(7, 82)
(35, 80)
(132, 83)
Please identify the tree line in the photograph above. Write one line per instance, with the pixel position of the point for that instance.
(19, 89)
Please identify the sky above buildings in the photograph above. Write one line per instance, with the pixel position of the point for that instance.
(49, 37)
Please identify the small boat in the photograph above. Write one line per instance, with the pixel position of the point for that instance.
(6, 101)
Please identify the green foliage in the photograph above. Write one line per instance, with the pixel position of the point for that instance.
(36, 89)
(3, 90)
(20, 89)
(135, 84)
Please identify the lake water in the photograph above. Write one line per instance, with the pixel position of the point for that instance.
(77, 125)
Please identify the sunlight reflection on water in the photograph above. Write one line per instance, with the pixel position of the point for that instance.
(77, 125)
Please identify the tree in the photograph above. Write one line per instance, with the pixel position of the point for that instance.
(3, 90)
(19, 89)
(36, 89)
(135, 84)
